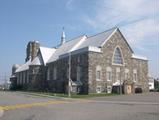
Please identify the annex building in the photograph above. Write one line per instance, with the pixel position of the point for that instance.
(100, 63)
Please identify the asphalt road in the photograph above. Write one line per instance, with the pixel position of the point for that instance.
(18, 106)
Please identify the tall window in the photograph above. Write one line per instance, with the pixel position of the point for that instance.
(55, 73)
(126, 74)
(135, 75)
(27, 76)
(78, 73)
(98, 73)
(48, 74)
(21, 77)
(118, 74)
(117, 57)
(109, 74)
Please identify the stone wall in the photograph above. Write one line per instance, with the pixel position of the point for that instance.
(142, 70)
(60, 84)
(37, 77)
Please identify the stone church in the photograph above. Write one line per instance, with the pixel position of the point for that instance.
(102, 63)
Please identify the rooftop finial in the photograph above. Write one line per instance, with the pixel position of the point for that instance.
(63, 37)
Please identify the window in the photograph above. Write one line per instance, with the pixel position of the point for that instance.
(20, 82)
(27, 76)
(109, 89)
(99, 89)
(117, 74)
(24, 78)
(78, 73)
(126, 76)
(135, 75)
(55, 73)
(109, 74)
(67, 72)
(117, 59)
(98, 73)
(48, 74)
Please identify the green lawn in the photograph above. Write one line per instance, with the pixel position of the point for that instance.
(72, 95)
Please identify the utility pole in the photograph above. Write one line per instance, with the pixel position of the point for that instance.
(120, 83)
(5, 81)
(69, 75)
(120, 88)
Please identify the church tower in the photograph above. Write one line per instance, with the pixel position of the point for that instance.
(32, 50)
(63, 37)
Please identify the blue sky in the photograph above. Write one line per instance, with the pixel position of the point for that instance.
(25, 20)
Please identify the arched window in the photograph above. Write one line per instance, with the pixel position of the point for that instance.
(117, 59)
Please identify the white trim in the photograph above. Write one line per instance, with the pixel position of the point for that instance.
(94, 49)
(139, 57)
(109, 37)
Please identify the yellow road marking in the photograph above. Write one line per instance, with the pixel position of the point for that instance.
(18, 106)
(11, 107)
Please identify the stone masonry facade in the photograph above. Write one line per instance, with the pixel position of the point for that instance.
(105, 61)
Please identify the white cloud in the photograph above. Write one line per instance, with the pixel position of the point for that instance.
(139, 34)
(137, 18)
(69, 5)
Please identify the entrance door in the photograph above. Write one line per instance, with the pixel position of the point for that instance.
(129, 89)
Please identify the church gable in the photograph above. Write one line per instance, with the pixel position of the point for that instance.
(116, 50)
(117, 38)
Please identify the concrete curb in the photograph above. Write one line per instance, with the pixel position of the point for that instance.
(48, 96)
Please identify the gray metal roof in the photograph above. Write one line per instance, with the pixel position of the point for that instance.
(24, 67)
(65, 48)
(97, 40)
(82, 42)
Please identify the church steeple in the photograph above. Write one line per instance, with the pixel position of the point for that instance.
(63, 37)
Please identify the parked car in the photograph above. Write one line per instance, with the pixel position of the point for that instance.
(138, 90)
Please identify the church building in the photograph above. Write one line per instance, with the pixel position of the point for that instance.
(102, 63)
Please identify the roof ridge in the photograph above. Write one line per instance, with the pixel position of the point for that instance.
(75, 38)
(103, 32)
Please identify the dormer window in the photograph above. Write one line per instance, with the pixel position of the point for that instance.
(117, 58)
